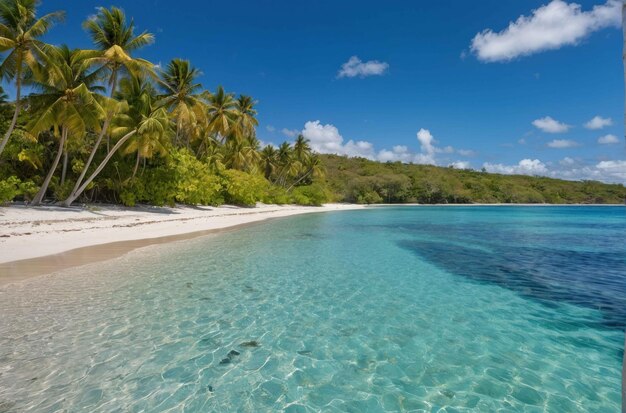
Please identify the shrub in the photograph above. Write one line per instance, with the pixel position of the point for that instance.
(241, 188)
(314, 194)
(13, 187)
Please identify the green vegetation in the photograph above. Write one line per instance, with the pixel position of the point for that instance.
(363, 181)
(103, 125)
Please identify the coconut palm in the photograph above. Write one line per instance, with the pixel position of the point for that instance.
(301, 149)
(153, 126)
(288, 165)
(65, 100)
(20, 31)
(181, 94)
(313, 168)
(269, 161)
(222, 113)
(213, 156)
(140, 95)
(115, 38)
(241, 154)
(246, 121)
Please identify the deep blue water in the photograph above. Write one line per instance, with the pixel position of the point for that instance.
(422, 309)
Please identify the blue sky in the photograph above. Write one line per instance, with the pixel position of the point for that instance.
(422, 68)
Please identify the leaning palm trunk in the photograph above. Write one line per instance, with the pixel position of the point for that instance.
(44, 187)
(9, 131)
(300, 179)
(64, 167)
(113, 87)
(96, 145)
(95, 173)
(136, 165)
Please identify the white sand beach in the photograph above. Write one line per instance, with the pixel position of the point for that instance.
(36, 233)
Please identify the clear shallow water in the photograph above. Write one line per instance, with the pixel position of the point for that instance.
(423, 309)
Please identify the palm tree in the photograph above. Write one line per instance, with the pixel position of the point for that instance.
(313, 169)
(247, 121)
(140, 95)
(65, 100)
(287, 163)
(116, 40)
(181, 94)
(20, 31)
(301, 149)
(269, 158)
(153, 126)
(241, 154)
(222, 112)
(213, 156)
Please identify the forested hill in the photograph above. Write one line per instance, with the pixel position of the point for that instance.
(364, 181)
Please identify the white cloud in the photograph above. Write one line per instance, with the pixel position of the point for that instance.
(290, 133)
(598, 122)
(460, 165)
(567, 168)
(561, 143)
(523, 167)
(549, 125)
(549, 27)
(270, 128)
(355, 67)
(326, 139)
(608, 139)
(521, 141)
(615, 169)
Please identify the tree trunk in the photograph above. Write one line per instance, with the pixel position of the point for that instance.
(44, 187)
(95, 173)
(91, 156)
(113, 87)
(9, 131)
(136, 165)
(300, 180)
(64, 167)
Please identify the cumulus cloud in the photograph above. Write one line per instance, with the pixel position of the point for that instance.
(616, 169)
(327, 139)
(290, 133)
(598, 122)
(549, 125)
(355, 67)
(523, 167)
(270, 128)
(608, 139)
(561, 143)
(549, 27)
(567, 168)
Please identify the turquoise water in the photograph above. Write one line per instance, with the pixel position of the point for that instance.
(420, 309)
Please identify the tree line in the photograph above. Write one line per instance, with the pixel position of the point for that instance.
(105, 125)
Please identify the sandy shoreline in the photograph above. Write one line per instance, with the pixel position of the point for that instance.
(35, 241)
